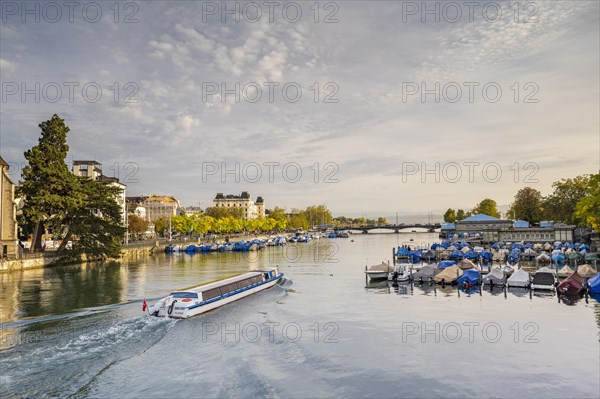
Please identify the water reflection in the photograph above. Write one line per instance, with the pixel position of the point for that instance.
(40, 292)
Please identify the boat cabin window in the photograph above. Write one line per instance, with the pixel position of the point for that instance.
(228, 288)
(210, 294)
(184, 295)
(266, 275)
(256, 279)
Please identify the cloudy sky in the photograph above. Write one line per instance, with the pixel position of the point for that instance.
(517, 97)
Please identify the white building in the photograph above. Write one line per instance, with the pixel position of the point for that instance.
(160, 206)
(250, 209)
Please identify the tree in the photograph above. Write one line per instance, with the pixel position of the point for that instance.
(318, 214)
(560, 205)
(161, 225)
(277, 214)
(381, 221)
(587, 210)
(527, 205)
(68, 206)
(219, 212)
(48, 184)
(96, 224)
(460, 215)
(450, 216)
(136, 225)
(487, 207)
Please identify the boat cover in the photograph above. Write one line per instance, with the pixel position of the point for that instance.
(565, 271)
(446, 263)
(543, 276)
(449, 274)
(586, 271)
(594, 283)
(470, 277)
(495, 276)
(519, 278)
(542, 257)
(571, 285)
(428, 255)
(382, 267)
(426, 273)
(591, 257)
(466, 264)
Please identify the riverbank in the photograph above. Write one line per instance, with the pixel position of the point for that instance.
(131, 251)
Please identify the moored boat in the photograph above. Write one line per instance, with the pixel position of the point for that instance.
(380, 271)
(572, 285)
(402, 273)
(206, 297)
(519, 278)
(449, 275)
(594, 284)
(470, 278)
(544, 279)
(426, 273)
(494, 277)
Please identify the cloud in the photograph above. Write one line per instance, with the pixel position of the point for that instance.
(7, 67)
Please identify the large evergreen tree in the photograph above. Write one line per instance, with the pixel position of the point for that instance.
(70, 207)
(47, 185)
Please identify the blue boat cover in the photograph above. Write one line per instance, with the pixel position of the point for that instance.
(470, 276)
(471, 255)
(446, 263)
(485, 255)
(402, 252)
(594, 283)
(456, 255)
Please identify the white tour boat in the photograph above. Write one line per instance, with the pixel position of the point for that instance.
(204, 298)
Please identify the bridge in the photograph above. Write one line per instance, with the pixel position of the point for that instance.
(396, 228)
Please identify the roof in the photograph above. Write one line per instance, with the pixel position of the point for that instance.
(86, 163)
(169, 200)
(2, 162)
(481, 217)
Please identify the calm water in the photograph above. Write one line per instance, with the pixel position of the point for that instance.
(79, 331)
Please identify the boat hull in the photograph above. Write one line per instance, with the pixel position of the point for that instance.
(377, 275)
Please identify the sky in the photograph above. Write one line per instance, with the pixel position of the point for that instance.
(369, 107)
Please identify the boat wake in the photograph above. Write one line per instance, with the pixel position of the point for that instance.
(57, 358)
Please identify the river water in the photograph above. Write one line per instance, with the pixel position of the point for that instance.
(79, 331)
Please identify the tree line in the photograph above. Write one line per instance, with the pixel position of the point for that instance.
(574, 201)
(219, 220)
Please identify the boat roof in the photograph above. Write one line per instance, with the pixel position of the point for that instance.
(220, 283)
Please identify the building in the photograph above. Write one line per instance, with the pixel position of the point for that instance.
(478, 223)
(492, 229)
(93, 170)
(160, 206)
(191, 210)
(250, 209)
(8, 215)
(140, 211)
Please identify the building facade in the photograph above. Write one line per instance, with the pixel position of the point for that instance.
(93, 170)
(250, 209)
(491, 229)
(160, 206)
(8, 215)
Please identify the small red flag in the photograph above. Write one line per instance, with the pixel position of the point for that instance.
(144, 306)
